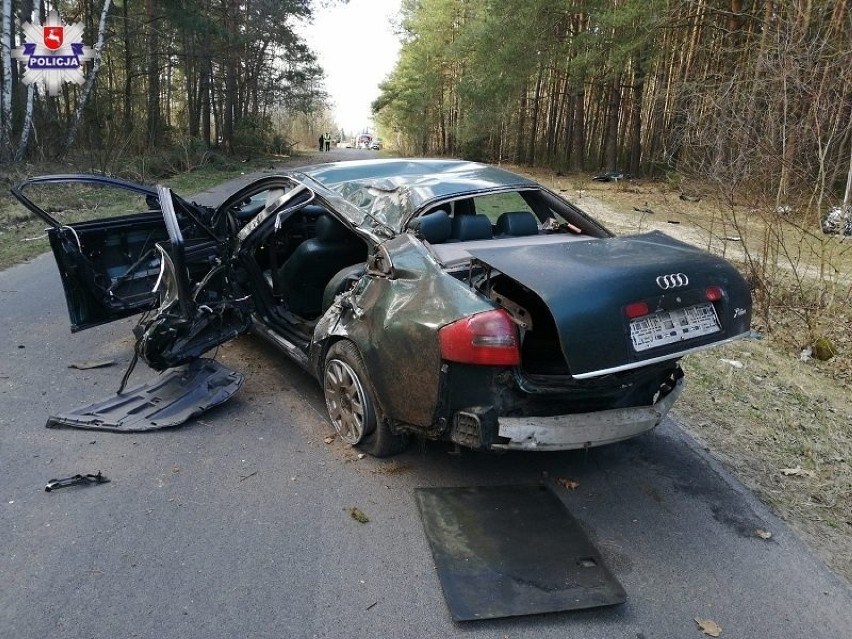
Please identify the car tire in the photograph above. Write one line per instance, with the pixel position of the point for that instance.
(351, 406)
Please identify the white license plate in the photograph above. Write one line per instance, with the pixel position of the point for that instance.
(669, 327)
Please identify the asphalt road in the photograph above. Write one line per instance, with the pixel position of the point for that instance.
(237, 524)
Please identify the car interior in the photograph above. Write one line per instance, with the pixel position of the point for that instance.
(303, 276)
(495, 220)
(301, 257)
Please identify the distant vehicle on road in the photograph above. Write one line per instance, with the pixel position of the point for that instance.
(376, 145)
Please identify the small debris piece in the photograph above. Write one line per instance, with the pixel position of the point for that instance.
(361, 455)
(798, 471)
(838, 221)
(244, 477)
(84, 366)
(568, 484)
(610, 176)
(732, 238)
(732, 362)
(643, 209)
(806, 353)
(763, 534)
(372, 605)
(709, 627)
(329, 439)
(673, 221)
(75, 480)
(358, 515)
(689, 198)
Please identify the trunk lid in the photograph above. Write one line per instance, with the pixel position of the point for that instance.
(587, 287)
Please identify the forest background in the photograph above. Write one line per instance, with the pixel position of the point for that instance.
(753, 95)
(173, 84)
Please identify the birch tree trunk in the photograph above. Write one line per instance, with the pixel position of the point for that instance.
(6, 89)
(28, 124)
(90, 82)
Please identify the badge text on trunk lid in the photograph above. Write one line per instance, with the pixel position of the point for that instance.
(673, 280)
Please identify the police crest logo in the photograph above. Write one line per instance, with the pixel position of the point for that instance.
(53, 53)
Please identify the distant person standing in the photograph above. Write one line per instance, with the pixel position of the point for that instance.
(327, 142)
(322, 142)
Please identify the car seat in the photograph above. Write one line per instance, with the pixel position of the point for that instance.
(517, 223)
(302, 279)
(433, 227)
(471, 227)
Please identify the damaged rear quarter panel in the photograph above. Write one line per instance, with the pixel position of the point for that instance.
(395, 326)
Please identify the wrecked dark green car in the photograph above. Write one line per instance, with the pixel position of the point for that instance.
(445, 299)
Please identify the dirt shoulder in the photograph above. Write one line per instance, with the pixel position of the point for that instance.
(780, 420)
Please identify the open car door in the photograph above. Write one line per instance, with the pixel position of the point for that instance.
(103, 233)
(123, 248)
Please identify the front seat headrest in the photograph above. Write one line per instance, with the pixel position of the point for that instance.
(329, 229)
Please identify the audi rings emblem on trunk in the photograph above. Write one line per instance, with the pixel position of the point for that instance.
(672, 280)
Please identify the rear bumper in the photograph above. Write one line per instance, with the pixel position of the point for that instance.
(582, 430)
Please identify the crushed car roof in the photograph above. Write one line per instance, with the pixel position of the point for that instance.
(392, 190)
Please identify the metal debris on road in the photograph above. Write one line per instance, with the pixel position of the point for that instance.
(75, 480)
(84, 366)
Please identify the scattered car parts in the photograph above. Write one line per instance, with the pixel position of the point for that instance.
(75, 480)
(169, 400)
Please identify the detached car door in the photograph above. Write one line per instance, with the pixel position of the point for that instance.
(103, 233)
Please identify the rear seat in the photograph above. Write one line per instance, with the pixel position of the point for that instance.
(517, 224)
(471, 227)
(433, 227)
(437, 227)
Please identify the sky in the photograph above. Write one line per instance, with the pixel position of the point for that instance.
(357, 48)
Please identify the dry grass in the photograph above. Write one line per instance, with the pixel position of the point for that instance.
(756, 404)
(778, 413)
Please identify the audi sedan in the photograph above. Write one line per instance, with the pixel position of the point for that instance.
(434, 298)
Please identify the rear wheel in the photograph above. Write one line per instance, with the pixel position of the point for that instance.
(350, 403)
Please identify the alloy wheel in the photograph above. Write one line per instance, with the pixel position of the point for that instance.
(345, 400)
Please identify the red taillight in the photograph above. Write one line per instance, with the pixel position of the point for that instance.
(713, 293)
(489, 338)
(636, 309)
